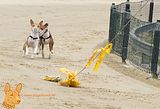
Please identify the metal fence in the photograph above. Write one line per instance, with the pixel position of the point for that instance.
(133, 34)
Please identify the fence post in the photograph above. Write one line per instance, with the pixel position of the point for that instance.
(151, 11)
(112, 27)
(126, 32)
(155, 53)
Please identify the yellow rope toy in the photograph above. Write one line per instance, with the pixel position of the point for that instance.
(71, 80)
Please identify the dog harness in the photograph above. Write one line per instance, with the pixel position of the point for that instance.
(44, 33)
(41, 37)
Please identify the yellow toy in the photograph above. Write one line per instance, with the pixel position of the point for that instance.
(71, 80)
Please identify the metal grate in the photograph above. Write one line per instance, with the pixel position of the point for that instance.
(141, 35)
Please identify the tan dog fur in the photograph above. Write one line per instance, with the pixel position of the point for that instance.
(46, 39)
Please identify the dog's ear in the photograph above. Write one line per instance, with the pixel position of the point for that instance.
(31, 22)
(46, 25)
(41, 22)
(19, 87)
(7, 88)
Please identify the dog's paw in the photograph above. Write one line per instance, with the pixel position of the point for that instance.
(52, 52)
(49, 57)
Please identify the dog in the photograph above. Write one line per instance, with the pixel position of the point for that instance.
(12, 97)
(46, 38)
(33, 40)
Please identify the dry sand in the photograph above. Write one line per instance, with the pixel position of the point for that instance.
(77, 27)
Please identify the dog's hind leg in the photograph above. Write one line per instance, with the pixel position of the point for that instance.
(51, 48)
(51, 43)
(25, 49)
(39, 46)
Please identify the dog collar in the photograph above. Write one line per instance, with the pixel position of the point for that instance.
(34, 38)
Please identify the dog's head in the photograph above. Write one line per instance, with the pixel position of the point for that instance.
(43, 26)
(12, 97)
(35, 28)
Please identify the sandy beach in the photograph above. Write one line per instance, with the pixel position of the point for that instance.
(77, 26)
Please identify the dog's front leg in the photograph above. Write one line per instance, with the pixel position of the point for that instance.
(36, 50)
(43, 51)
(32, 55)
(49, 55)
(26, 50)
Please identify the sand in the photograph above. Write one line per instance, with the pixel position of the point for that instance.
(77, 27)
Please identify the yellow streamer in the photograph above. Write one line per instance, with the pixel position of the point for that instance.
(91, 59)
(106, 50)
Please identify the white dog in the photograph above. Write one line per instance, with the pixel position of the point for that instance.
(33, 40)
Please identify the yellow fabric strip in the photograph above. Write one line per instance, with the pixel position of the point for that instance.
(106, 50)
(91, 59)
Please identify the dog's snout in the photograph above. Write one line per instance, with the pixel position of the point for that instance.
(35, 30)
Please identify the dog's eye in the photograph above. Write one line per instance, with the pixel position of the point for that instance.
(33, 25)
